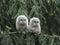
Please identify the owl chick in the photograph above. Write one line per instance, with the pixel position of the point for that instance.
(22, 24)
(34, 26)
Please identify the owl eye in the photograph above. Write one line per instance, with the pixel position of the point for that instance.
(24, 19)
(21, 19)
(37, 21)
(34, 21)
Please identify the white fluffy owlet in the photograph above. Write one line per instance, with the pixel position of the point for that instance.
(22, 24)
(34, 26)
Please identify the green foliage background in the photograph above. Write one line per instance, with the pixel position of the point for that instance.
(48, 11)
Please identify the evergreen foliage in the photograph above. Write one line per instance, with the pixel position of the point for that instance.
(48, 11)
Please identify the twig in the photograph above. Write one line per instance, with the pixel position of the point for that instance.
(18, 33)
(12, 32)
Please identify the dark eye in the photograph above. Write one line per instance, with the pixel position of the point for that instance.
(37, 21)
(24, 19)
(21, 19)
